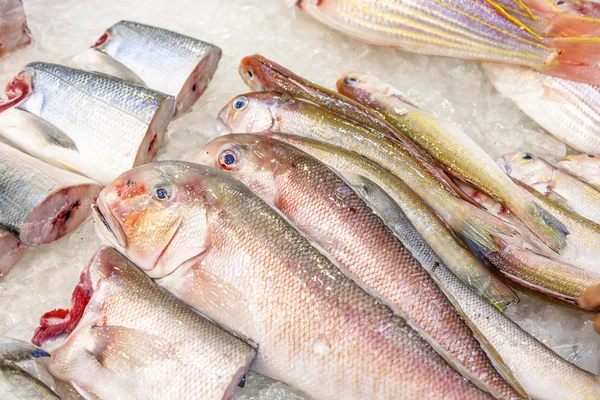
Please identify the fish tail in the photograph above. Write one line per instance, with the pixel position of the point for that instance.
(561, 23)
(546, 227)
(576, 59)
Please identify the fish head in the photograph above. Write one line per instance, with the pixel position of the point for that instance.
(526, 168)
(155, 214)
(252, 112)
(374, 92)
(252, 159)
(262, 74)
(580, 164)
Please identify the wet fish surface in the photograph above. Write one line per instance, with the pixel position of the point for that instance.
(11, 252)
(585, 167)
(129, 339)
(14, 32)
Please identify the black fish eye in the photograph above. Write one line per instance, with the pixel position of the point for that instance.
(527, 156)
(250, 74)
(349, 80)
(591, 156)
(240, 103)
(242, 382)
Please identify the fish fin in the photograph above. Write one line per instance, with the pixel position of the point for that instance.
(576, 60)
(131, 347)
(96, 60)
(564, 23)
(557, 198)
(13, 350)
(557, 227)
(555, 95)
(500, 10)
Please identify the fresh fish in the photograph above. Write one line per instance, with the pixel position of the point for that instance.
(542, 373)
(454, 149)
(268, 111)
(40, 203)
(552, 182)
(163, 60)
(568, 110)
(213, 243)
(458, 259)
(128, 339)
(322, 205)
(14, 32)
(93, 124)
(585, 167)
(11, 252)
(15, 382)
(478, 31)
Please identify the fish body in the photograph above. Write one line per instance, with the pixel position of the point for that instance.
(230, 255)
(11, 252)
(554, 183)
(454, 149)
(41, 203)
(478, 31)
(585, 167)
(322, 205)
(128, 339)
(541, 372)
(163, 60)
(93, 124)
(569, 110)
(14, 32)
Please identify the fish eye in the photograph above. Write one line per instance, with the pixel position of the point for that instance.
(240, 103)
(229, 158)
(351, 79)
(161, 193)
(527, 156)
(250, 74)
(591, 156)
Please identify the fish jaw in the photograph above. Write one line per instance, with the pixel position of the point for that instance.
(528, 169)
(250, 112)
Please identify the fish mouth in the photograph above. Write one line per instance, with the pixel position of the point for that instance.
(106, 221)
(504, 165)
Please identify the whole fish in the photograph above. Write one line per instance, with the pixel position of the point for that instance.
(93, 124)
(585, 167)
(11, 252)
(40, 203)
(568, 110)
(213, 243)
(452, 148)
(268, 111)
(322, 205)
(437, 234)
(552, 182)
(479, 31)
(163, 60)
(128, 339)
(15, 382)
(14, 32)
(541, 372)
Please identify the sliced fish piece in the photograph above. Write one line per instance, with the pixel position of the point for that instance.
(128, 339)
(585, 167)
(40, 203)
(93, 124)
(14, 32)
(11, 252)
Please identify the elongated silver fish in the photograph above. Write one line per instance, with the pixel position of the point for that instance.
(322, 205)
(128, 339)
(163, 60)
(14, 32)
(542, 373)
(569, 110)
(552, 182)
(585, 167)
(94, 124)
(40, 203)
(11, 252)
(454, 149)
(208, 239)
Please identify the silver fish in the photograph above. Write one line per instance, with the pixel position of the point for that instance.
(585, 167)
(11, 252)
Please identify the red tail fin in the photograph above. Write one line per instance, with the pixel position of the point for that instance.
(577, 60)
(571, 21)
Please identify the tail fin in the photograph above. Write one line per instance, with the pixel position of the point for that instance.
(576, 60)
(573, 19)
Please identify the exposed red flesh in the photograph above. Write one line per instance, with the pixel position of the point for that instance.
(101, 40)
(16, 91)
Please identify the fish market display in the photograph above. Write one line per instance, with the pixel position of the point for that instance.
(11, 251)
(479, 31)
(93, 124)
(212, 242)
(14, 32)
(268, 111)
(541, 372)
(15, 382)
(163, 60)
(456, 257)
(325, 208)
(41, 203)
(129, 339)
(585, 167)
(453, 149)
(568, 110)
(552, 182)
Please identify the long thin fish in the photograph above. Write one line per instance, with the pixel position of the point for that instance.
(479, 31)
(569, 110)
(542, 373)
(585, 167)
(208, 239)
(322, 205)
(11, 251)
(458, 259)
(40, 203)
(93, 124)
(454, 149)
(554, 183)
(128, 339)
